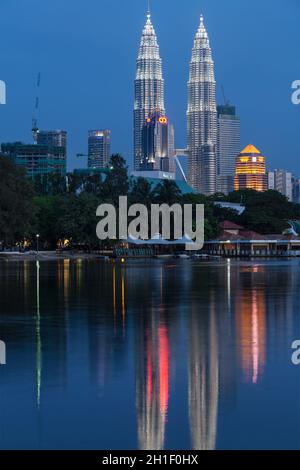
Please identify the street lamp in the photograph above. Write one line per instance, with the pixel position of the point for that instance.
(37, 242)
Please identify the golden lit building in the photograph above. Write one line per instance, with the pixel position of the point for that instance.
(250, 170)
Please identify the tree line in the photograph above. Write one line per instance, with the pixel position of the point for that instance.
(64, 208)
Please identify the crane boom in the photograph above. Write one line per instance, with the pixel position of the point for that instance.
(226, 101)
(35, 128)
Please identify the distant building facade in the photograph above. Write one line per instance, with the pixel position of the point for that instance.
(99, 148)
(158, 149)
(208, 169)
(296, 190)
(36, 159)
(281, 181)
(56, 138)
(228, 147)
(250, 170)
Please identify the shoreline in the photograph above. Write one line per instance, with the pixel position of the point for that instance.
(46, 256)
(54, 256)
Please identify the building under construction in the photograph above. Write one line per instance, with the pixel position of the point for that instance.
(36, 159)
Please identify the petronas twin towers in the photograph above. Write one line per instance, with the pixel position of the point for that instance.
(149, 86)
(202, 110)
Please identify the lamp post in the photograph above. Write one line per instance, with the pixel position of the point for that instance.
(37, 242)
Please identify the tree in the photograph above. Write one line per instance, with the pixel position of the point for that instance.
(116, 184)
(49, 184)
(76, 219)
(266, 212)
(47, 208)
(167, 192)
(211, 222)
(141, 192)
(17, 213)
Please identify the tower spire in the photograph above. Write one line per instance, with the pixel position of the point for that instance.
(149, 9)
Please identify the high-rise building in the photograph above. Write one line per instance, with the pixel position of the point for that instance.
(158, 150)
(148, 86)
(55, 138)
(36, 159)
(202, 116)
(296, 190)
(281, 181)
(98, 148)
(250, 170)
(228, 147)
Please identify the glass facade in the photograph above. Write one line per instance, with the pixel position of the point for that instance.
(99, 148)
(158, 144)
(228, 147)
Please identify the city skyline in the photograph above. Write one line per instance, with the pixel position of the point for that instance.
(277, 138)
(149, 231)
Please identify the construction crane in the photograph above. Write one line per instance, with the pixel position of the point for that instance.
(79, 155)
(35, 128)
(226, 101)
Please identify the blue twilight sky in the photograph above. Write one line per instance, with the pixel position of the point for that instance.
(86, 52)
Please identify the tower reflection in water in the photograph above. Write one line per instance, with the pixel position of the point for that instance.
(152, 373)
(152, 384)
(203, 376)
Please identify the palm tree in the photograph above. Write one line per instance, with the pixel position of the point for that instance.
(141, 192)
(167, 192)
(116, 183)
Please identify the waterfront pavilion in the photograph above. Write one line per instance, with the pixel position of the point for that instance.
(235, 241)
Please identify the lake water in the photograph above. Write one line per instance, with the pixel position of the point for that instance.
(149, 355)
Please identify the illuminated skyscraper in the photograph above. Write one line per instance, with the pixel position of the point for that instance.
(228, 147)
(99, 149)
(250, 170)
(202, 116)
(149, 86)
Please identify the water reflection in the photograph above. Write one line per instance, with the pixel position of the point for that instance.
(152, 380)
(203, 377)
(251, 332)
(38, 337)
(152, 371)
(160, 343)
